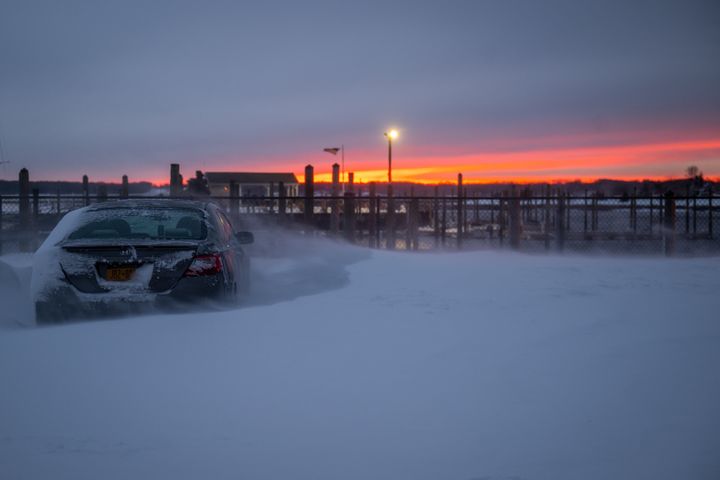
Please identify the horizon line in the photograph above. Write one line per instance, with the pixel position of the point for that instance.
(509, 181)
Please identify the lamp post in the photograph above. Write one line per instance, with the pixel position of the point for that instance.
(391, 135)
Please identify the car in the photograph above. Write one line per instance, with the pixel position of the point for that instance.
(123, 256)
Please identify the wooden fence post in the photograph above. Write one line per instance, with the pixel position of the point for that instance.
(443, 224)
(102, 193)
(515, 226)
(282, 202)
(436, 215)
(492, 210)
(372, 216)
(335, 202)
(568, 206)
(595, 217)
(491, 227)
(377, 221)
(36, 204)
(231, 194)
(234, 194)
(502, 217)
(669, 230)
(57, 203)
(459, 211)
(687, 209)
(634, 214)
(125, 189)
(408, 220)
(476, 220)
(710, 212)
(415, 222)
(349, 216)
(271, 201)
(652, 218)
(36, 218)
(86, 189)
(175, 182)
(24, 206)
(309, 194)
(390, 220)
(546, 215)
(561, 199)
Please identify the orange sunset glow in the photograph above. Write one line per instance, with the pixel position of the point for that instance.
(655, 161)
(427, 165)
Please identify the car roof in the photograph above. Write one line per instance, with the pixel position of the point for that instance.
(150, 203)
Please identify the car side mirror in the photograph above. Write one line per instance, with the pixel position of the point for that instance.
(245, 238)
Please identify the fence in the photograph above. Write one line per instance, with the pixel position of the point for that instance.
(631, 224)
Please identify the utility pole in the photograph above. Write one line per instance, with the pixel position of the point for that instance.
(392, 134)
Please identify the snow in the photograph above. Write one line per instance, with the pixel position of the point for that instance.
(15, 273)
(45, 268)
(353, 364)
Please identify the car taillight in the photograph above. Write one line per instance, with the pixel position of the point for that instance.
(204, 265)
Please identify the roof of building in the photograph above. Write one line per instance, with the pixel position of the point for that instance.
(250, 177)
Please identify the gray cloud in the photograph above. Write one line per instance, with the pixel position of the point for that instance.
(166, 80)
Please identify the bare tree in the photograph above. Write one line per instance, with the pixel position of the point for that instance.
(695, 178)
(693, 172)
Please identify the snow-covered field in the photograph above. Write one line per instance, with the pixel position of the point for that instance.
(351, 364)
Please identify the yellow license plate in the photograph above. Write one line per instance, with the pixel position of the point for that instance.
(119, 274)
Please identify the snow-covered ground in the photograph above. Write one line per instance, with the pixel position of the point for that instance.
(350, 364)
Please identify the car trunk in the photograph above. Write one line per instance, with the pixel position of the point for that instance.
(103, 268)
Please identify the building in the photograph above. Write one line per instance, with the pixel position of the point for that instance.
(251, 184)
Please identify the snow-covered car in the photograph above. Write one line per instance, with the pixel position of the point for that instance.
(123, 256)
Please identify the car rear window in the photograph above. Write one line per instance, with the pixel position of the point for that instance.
(142, 223)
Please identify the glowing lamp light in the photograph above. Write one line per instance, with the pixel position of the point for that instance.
(391, 135)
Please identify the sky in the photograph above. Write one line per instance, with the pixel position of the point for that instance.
(498, 89)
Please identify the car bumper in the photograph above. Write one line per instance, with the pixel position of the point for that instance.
(66, 303)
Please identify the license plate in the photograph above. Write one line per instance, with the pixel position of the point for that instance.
(119, 274)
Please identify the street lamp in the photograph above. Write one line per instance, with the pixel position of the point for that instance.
(391, 135)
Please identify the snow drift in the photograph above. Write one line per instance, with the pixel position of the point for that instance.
(386, 366)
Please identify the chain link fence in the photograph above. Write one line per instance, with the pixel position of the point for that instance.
(620, 225)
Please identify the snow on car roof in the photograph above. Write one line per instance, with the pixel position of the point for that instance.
(154, 203)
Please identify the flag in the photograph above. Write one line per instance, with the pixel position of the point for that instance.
(331, 150)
